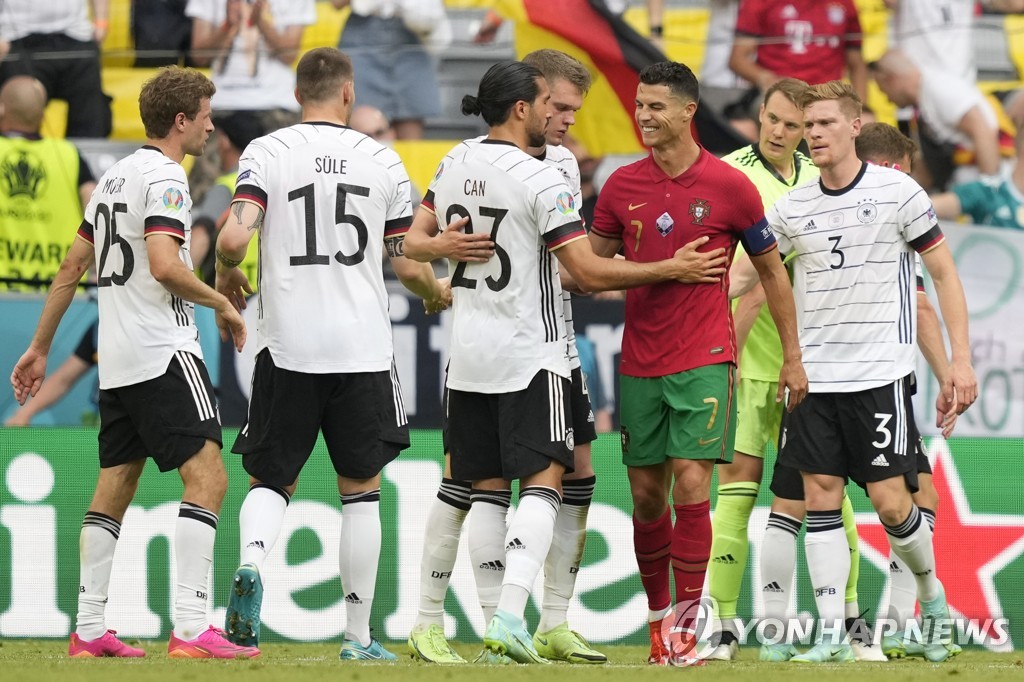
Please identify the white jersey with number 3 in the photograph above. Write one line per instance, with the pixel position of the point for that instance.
(142, 325)
(331, 195)
(854, 280)
(508, 317)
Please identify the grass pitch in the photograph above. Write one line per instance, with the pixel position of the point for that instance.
(30, 660)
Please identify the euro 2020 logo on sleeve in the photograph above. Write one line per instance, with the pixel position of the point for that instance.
(565, 203)
(173, 199)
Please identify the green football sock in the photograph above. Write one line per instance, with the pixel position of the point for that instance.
(729, 545)
(850, 526)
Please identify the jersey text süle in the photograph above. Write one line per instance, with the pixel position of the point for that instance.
(331, 196)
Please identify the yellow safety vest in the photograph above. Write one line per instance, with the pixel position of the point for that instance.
(250, 264)
(40, 209)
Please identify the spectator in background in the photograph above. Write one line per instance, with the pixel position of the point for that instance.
(1002, 6)
(936, 34)
(385, 40)
(249, 47)
(807, 39)
(371, 121)
(70, 69)
(162, 33)
(44, 186)
(983, 203)
(952, 112)
(57, 385)
(208, 216)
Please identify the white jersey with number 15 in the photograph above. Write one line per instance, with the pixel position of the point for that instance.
(331, 196)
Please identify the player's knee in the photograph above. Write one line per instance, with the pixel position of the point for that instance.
(892, 511)
(649, 502)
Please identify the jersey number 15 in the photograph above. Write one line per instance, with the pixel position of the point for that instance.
(312, 256)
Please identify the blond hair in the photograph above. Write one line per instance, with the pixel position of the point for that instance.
(849, 102)
(555, 64)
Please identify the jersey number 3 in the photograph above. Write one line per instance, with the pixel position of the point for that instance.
(312, 257)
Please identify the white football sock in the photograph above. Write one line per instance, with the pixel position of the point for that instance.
(194, 536)
(778, 569)
(526, 544)
(358, 558)
(259, 522)
(487, 545)
(96, 545)
(440, 548)
(828, 562)
(562, 564)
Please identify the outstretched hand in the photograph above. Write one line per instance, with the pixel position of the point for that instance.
(964, 385)
(946, 413)
(699, 267)
(229, 321)
(235, 286)
(28, 375)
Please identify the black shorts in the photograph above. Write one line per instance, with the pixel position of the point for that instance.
(787, 482)
(584, 430)
(168, 418)
(361, 415)
(866, 436)
(511, 435)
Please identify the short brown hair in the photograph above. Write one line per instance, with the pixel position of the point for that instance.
(849, 102)
(555, 64)
(174, 90)
(792, 89)
(881, 142)
(321, 73)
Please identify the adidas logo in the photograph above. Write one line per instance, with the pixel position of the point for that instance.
(725, 559)
(353, 598)
(492, 566)
(810, 227)
(255, 543)
(895, 567)
(880, 461)
(772, 587)
(515, 543)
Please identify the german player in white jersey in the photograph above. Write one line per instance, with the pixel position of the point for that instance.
(508, 378)
(568, 81)
(156, 400)
(326, 201)
(854, 234)
(884, 145)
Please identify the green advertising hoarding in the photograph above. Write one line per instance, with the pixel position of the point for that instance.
(48, 476)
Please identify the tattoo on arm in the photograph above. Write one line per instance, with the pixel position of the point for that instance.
(395, 246)
(258, 222)
(225, 261)
(237, 208)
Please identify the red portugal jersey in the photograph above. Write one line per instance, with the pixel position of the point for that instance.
(805, 39)
(672, 327)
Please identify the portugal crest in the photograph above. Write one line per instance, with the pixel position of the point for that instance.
(699, 210)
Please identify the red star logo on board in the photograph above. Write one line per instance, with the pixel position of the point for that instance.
(970, 548)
